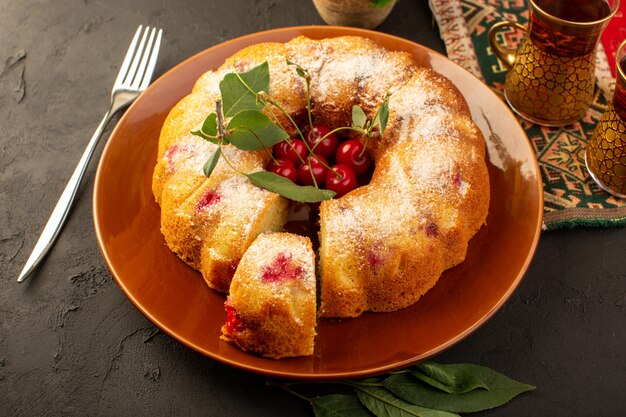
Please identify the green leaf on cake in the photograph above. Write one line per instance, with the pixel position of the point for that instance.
(499, 390)
(211, 163)
(358, 117)
(251, 130)
(286, 188)
(381, 402)
(338, 405)
(239, 91)
(382, 116)
(208, 130)
(299, 70)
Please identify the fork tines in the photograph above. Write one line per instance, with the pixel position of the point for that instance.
(139, 62)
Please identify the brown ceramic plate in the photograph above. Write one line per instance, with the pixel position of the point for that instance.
(178, 301)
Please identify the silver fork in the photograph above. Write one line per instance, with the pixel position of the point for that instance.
(133, 78)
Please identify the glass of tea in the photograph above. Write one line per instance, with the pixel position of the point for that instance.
(551, 75)
(606, 152)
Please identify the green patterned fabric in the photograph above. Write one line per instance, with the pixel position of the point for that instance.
(571, 197)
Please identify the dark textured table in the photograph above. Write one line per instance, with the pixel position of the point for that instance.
(72, 344)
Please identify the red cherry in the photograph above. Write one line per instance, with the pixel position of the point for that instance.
(291, 152)
(318, 169)
(283, 167)
(348, 154)
(326, 147)
(342, 184)
(233, 324)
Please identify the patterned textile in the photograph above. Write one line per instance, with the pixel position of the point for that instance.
(571, 197)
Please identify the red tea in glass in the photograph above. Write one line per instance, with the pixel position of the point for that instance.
(551, 76)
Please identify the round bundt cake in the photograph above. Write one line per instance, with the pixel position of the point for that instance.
(381, 246)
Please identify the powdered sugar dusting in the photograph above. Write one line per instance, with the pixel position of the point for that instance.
(412, 98)
(241, 200)
(192, 153)
(414, 194)
(387, 212)
(347, 70)
(282, 266)
(290, 251)
(434, 169)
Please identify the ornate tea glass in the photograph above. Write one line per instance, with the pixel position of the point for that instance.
(551, 75)
(606, 152)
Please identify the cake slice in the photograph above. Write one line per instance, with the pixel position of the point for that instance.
(271, 307)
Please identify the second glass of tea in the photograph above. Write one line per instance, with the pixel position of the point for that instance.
(551, 75)
(606, 152)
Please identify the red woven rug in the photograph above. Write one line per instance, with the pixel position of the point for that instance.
(571, 197)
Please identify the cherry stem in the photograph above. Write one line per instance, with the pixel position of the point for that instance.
(265, 100)
(311, 171)
(290, 391)
(356, 129)
(279, 107)
(220, 120)
(337, 175)
(231, 165)
(270, 155)
(367, 139)
(334, 131)
(308, 101)
(307, 79)
(220, 134)
(269, 109)
(294, 151)
(325, 165)
(288, 140)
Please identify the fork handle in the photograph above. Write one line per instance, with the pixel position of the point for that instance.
(59, 214)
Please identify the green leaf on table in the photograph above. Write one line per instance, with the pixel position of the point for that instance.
(382, 116)
(251, 130)
(286, 188)
(208, 130)
(338, 405)
(211, 163)
(239, 90)
(358, 117)
(500, 390)
(453, 378)
(379, 3)
(381, 402)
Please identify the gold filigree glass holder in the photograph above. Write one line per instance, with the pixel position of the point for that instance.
(551, 75)
(605, 156)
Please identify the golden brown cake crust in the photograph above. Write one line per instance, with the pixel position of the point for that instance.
(273, 296)
(428, 196)
(382, 246)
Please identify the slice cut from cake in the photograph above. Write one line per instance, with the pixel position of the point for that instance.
(271, 309)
